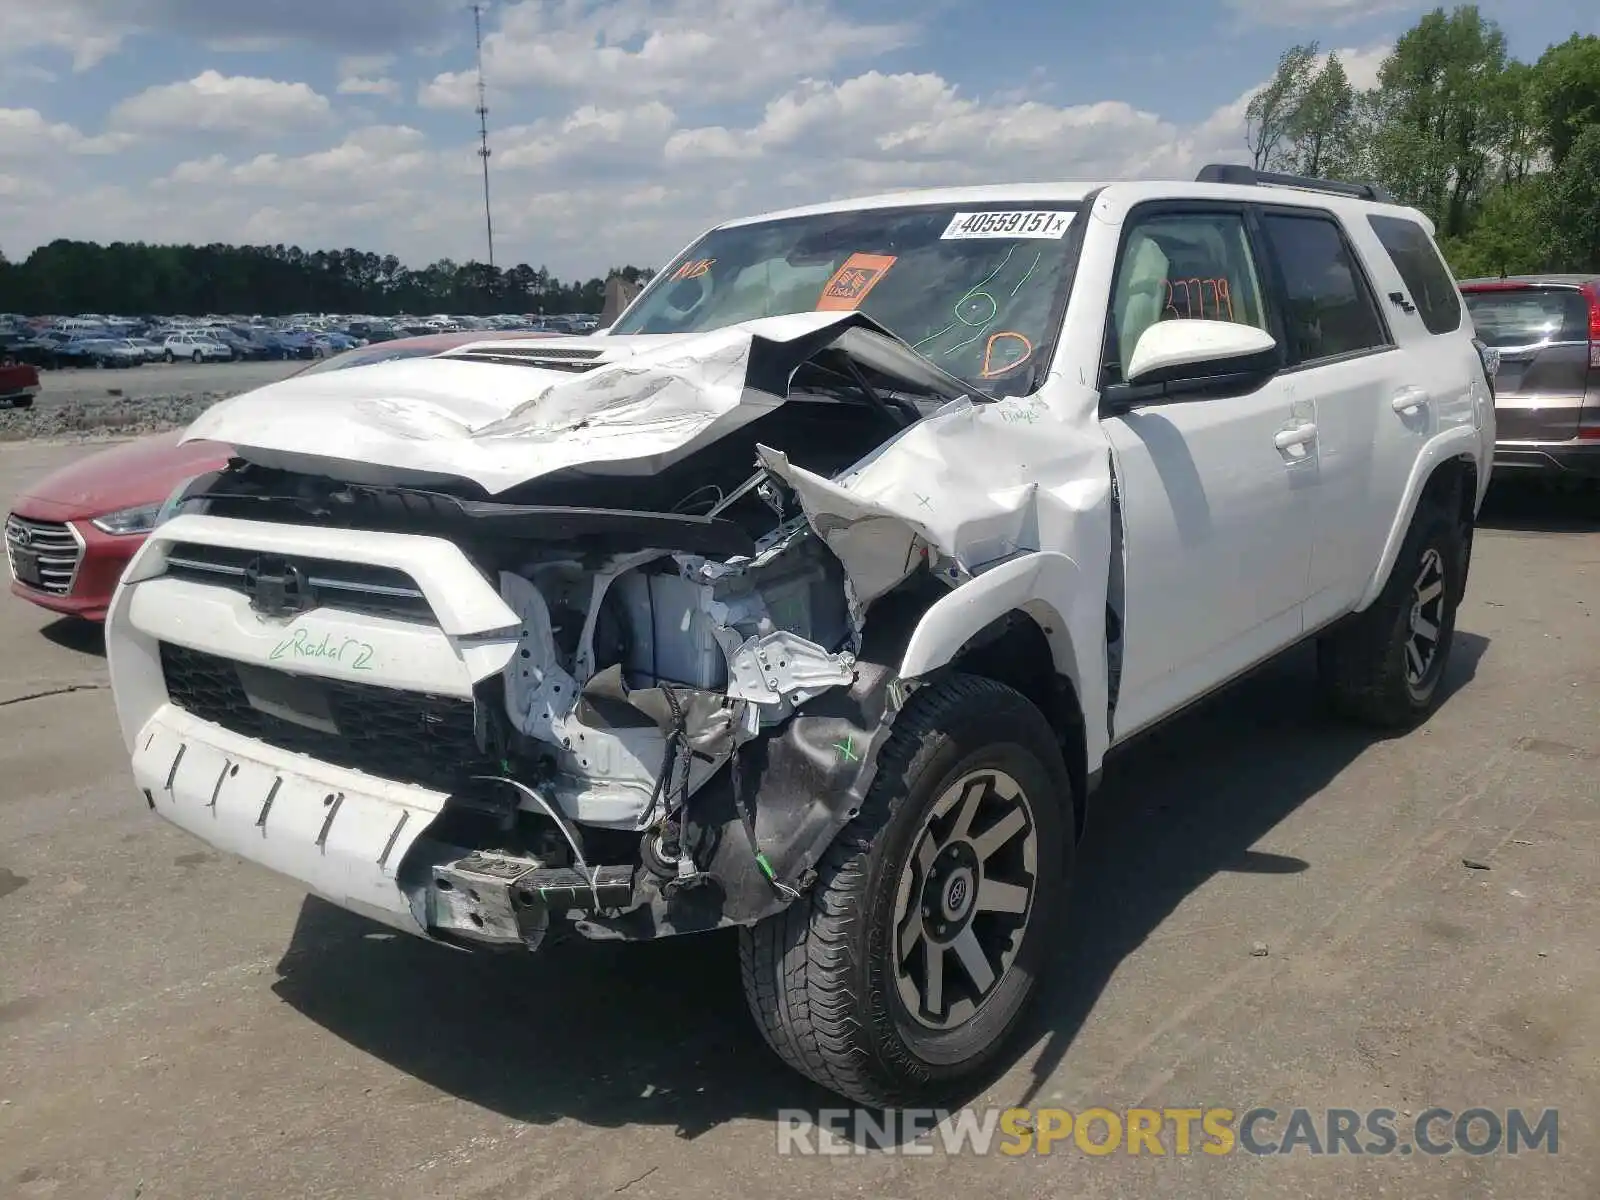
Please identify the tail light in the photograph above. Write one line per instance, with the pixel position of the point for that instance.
(1589, 421)
(1592, 291)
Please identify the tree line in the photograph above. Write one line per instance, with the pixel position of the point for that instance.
(1503, 155)
(67, 277)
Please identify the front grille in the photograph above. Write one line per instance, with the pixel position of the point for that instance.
(409, 737)
(352, 587)
(52, 544)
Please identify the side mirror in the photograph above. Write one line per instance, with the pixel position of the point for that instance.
(1173, 351)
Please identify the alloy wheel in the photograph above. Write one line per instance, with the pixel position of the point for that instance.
(965, 898)
(1426, 619)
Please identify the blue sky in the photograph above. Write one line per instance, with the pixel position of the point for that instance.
(620, 127)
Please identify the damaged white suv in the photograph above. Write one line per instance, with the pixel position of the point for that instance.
(810, 597)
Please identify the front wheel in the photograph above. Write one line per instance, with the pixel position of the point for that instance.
(1384, 667)
(911, 961)
(198, 358)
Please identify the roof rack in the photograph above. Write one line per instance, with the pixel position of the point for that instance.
(1238, 173)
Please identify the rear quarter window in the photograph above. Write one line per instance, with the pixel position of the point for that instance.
(1428, 280)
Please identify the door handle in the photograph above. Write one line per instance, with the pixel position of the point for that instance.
(1295, 435)
(1410, 399)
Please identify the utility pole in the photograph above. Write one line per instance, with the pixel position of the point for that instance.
(483, 128)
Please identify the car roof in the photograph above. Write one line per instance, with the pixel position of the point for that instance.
(1127, 192)
(1490, 282)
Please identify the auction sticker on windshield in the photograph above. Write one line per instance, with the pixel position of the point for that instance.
(1039, 224)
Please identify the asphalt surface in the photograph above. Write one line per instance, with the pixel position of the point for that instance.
(82, 385)
(174, 1023)
(97, 402)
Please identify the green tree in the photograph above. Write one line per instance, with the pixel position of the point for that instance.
(1270, 115)
(1439, 114)
(1566, 91)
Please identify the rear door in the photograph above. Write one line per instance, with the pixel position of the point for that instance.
(1541, 331)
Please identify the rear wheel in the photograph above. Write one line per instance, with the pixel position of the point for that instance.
(170, 357)
(1385, 666)
(909, 964)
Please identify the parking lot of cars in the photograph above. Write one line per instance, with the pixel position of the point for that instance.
(98, 340)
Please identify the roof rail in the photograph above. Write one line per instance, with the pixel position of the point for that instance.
(1238, 173)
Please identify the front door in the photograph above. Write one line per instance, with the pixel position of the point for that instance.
(1217, 495)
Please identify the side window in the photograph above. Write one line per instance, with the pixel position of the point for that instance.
(1181, 266)
(1328, 308)
(1428, 280)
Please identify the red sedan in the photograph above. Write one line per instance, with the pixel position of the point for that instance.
(69, 539)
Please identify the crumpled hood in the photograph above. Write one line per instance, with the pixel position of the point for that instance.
(502, 413)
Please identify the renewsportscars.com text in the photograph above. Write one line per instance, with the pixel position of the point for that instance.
(1179, 1132)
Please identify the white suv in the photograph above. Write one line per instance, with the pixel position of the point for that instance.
(195, 346)
(810, 597)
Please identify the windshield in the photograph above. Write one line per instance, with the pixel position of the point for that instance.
(973, 288)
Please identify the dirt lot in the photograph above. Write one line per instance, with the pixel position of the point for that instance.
(177, 1024)
(95, 402)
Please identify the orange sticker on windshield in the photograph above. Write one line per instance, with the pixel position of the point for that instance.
(851, 282)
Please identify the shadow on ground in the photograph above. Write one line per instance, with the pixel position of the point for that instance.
(595, 1032)
(1534, 506)
(70, 633)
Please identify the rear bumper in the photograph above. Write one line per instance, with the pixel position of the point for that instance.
(1577, 458)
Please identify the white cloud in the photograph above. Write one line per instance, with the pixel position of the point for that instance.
(88, 37)
(215, 103)
(357, 65)
(369, 160)
(588, 135)
(357, 85)
(619, 49)
(1308, 13)
(25, 133)
(92, 30)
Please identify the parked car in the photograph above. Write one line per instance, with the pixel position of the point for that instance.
(19, 382)
(196, 347)
(149, 350)
(109, 352)
(73, 532)
(1545, 333)
(810, 597)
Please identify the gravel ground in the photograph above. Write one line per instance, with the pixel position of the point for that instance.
(94, 403)
(178, 1024)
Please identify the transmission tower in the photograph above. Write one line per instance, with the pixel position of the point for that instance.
(483, 127)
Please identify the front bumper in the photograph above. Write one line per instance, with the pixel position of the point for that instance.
(340, 832)
(102, 558)
(1579, 457)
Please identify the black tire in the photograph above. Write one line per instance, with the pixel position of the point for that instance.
(821, 977)
(170, 357)
(198, 358)
(1363, 665)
